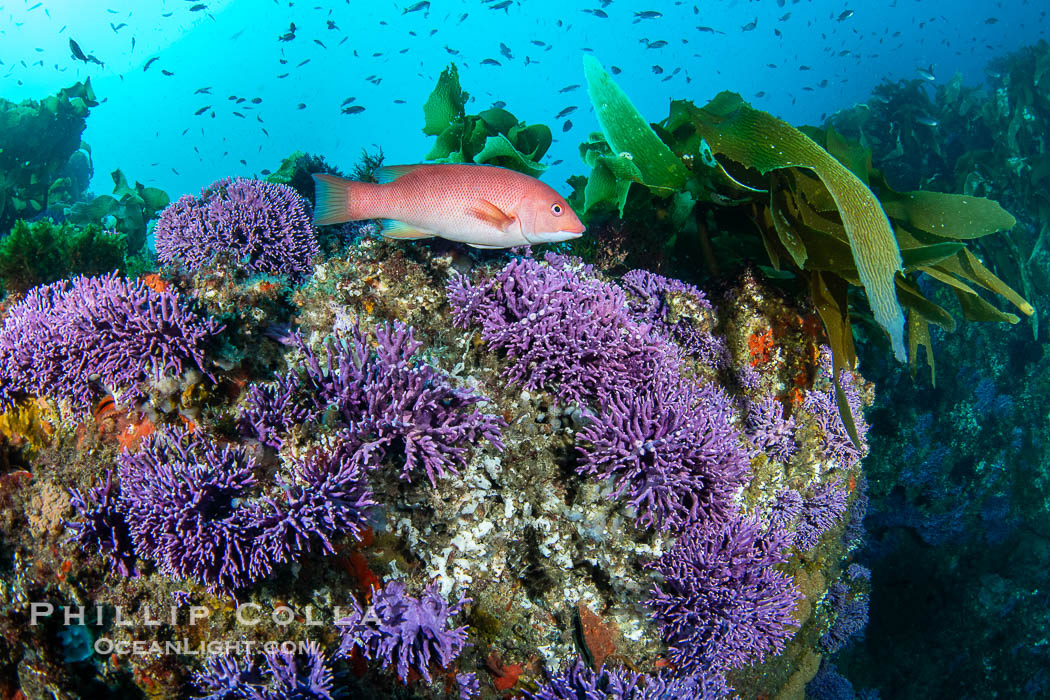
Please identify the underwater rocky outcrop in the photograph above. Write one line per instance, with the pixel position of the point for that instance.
(495, 473)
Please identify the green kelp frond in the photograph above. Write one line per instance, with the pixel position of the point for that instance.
(493, 137)
(627, 132)
(611, 174)
(759, 141)
(131, 208)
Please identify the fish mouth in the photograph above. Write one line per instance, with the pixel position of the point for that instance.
(555, 236)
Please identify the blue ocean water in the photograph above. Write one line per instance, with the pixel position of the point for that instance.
(148, 127)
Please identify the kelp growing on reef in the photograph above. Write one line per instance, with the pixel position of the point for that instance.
(812, 196)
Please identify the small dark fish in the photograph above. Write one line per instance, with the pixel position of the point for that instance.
(320, 43)
(400, 102)
(198, 7)
(424, 5)
(201, 111)
(264, 171)
(347, 101)
(454, 52)
(167, 14)
(565, 112)
(501, 5)
(149, 63)
(658, 70)
(760, 93)
(301, 105)
(566, 126)
(656, 44)
(202, 91)
(331, 24)
(283, 75)
(29, 9)
(709, 30)
(537, 42)
(558, 162)
(256, 100)
(615, 70)
(491, 62)
(302, 63)
(166, 72)
(238, 114)
(499, 104)
(505, 50)
(597, 13)
(785, 18)
(844, 16)
(288, 35)
(991, 20)
(648, 14)
(353, 109)
(804, 68)
(118, 27)
(77, 52)
(750, 25)
(244, 162)
(569, 88)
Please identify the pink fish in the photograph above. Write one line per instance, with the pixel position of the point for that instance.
(480, 205)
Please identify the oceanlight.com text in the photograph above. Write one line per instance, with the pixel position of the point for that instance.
(241, 647)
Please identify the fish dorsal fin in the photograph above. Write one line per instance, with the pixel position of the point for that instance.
(399, 229)
(491, 214)
(389, 173)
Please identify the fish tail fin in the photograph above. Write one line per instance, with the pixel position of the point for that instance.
(331, 199)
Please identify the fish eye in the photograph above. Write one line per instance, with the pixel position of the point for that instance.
(556, 209)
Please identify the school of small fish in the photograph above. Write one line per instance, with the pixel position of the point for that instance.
(315, 38)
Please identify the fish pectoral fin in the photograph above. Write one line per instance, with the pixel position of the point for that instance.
(486, 247)
(491, 214)
(389, 173)
(399, 229)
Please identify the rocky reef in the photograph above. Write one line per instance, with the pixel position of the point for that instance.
(497, 473)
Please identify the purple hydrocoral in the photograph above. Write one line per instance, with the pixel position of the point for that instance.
(283, 676)
(264, 226)
(678, 310)
(578, 682)
(326, 496)
(785, 508)
(769, 431)
(77, 339)
(722, 604)
(823, 406)
(385, 399)
(562, 329)
(672, 449)
(851, 617)
(100, 526)
(469, 686)
(820, 512)
(188, 502)
(405, 632)
(182, 494)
